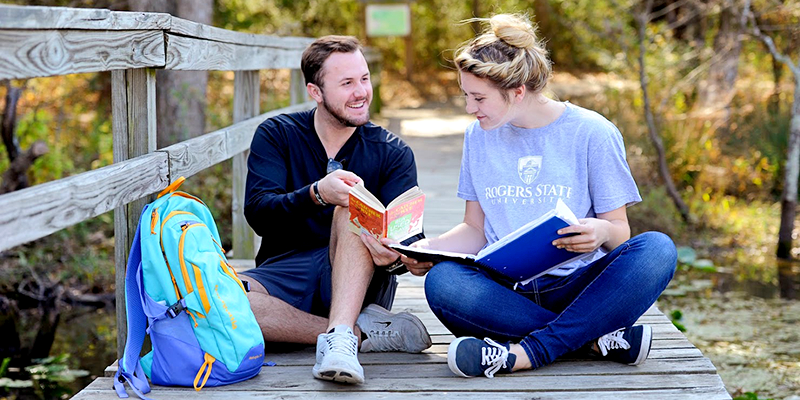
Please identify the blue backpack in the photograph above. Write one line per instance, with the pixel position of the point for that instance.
(180, 289)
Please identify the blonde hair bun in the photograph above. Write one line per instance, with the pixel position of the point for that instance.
(515, 30)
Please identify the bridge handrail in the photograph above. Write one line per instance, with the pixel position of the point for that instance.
(38, 41)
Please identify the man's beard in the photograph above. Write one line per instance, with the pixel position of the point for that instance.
(344, 120)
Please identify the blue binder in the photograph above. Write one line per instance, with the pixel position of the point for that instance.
(522, 255)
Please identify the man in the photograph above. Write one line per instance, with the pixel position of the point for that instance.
(314, 276)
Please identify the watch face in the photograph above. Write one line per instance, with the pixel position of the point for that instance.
(396, 268)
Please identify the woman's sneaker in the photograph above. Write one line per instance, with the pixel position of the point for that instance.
(469, 356)
(627, 345)
(392, 332)
(337, 356)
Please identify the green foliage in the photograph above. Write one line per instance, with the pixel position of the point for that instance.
(48, 378)
(749, 396)
(687, 257)
(676, 316)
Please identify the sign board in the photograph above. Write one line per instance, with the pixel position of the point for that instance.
(388, 20)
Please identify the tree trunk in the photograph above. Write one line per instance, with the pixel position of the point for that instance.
(9, 334)
(180, 95)
(16, 176)
(792, 168)
(774, 102)
(791, 173)
(717, 91)
(9, 125)
(663, 169)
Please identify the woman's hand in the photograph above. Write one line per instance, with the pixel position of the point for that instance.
(590, 234)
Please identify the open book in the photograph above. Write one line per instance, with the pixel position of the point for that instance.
(522, 255)
(399, 220)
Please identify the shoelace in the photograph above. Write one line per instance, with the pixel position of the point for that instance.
(386, 339)
(611, 341)
(494, 356)
(342, 342)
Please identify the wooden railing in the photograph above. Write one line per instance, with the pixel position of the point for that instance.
(52, 41)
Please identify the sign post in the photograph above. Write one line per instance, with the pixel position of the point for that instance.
(384, 19)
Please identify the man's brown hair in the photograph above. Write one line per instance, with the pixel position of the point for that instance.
(319, 51)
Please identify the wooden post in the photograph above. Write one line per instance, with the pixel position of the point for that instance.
(133, 104)
(297, 88)
(245, 105)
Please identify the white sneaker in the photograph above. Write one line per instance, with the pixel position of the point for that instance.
(337, 356)
(392, 332)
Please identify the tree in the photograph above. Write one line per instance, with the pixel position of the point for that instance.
(642, 18)
(718, 88)
(16, 176)
(792, 169)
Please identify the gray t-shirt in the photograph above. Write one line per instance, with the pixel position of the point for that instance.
(518, 174)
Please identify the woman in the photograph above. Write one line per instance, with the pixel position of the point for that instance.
(524, 153)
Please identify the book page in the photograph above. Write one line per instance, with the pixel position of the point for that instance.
(361, 192)
(404, 219)
(434, 256)
(365, 216)
(405, 196)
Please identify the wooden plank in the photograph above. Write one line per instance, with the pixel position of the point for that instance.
(36, 17)
(389, 370)
(38, 211)
(246, 105)
(200, 31)
(133, 107)
(240, 135)
(29, 54)
(194, 155)
(703, 393)
(191, 156)
(523, 382)
(297, 87)
(184, 53)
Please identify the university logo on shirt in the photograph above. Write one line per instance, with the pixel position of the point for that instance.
(528, 168)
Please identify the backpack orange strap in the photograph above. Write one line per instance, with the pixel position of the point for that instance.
(172, 186)
(207, 367)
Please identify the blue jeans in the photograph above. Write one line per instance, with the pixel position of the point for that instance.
(554, 315)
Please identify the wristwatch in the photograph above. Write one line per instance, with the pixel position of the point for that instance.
(396, 268)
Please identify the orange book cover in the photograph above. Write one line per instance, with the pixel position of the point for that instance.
(401, 219)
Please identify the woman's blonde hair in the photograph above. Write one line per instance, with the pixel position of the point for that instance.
(507, 53)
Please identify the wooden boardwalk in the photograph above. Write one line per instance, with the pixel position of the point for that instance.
(676, 369)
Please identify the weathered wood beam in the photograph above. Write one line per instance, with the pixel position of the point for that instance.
(240, 135)
(184, 53)
(246, 105)
(133, 105)
(38, 211)
(30, 54)
(193, 29)
(36, 17)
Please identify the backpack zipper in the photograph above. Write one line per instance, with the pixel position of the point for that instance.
(164, 253)
(197, 274)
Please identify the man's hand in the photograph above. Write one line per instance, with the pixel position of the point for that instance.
(381, 255)
(335, 187)
(384, 256)
(591, 234)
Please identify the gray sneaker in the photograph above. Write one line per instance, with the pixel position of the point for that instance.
(392, 332)
(337, 356)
